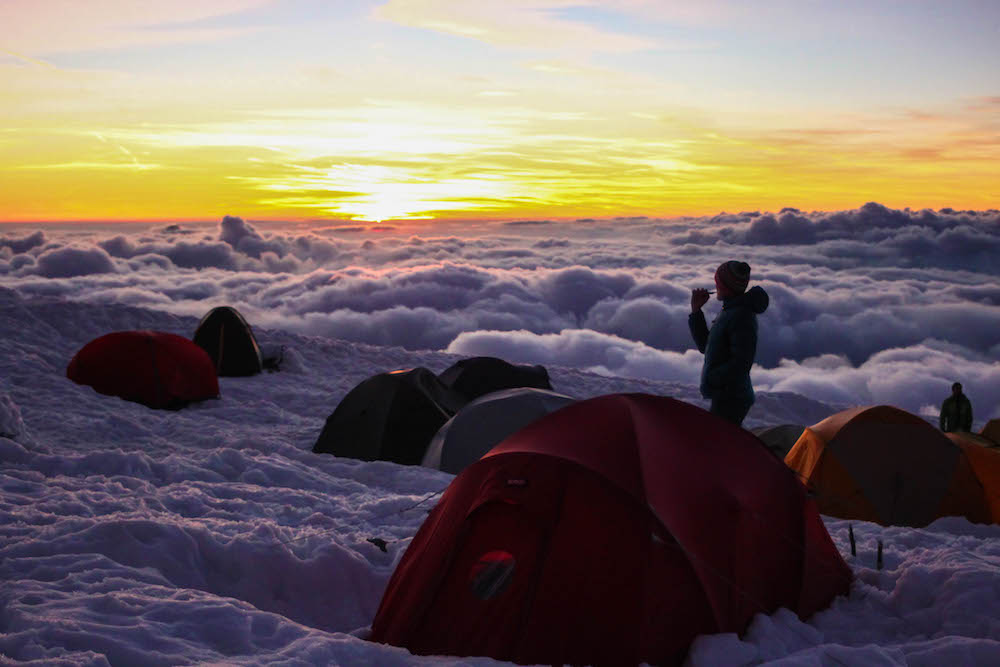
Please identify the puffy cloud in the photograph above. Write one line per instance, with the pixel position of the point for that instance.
(445, 287)
(582, 348)
(188, 255)
(132, 296)
(233, 229)
(551, 243)
(244, 238)
(238, 247)
(419, 328)
(70, 261)
(318, 250)
(149, 261)
(18, 246)
(18, 262)
(649, 320)
(912, 377)
(576, 290)
(789, 228)
(195, 290)
(119, 246)
(812, 325)
(845, 287)
(421, 308)
(871, 234)
(196, 255)
(966, 240)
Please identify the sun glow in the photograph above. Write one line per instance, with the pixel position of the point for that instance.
(376, 193)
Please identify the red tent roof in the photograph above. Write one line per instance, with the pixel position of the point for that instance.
(157, 369)
(613, 531)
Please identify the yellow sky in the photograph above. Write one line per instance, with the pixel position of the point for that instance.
(395, 112)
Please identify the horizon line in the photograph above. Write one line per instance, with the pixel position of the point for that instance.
(455, 219)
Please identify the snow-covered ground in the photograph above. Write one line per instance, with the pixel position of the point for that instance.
(214, 535)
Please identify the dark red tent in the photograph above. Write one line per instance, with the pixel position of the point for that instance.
(612, 531)
(160, 370)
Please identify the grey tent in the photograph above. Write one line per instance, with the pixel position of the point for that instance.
(486, 421)
(779, 439)
(389, 417)
(229, 341)
(477, 376)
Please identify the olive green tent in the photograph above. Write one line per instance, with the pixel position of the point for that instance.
(229, 341)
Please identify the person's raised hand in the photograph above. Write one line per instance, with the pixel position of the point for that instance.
(699, 297)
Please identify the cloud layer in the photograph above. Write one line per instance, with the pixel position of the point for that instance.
(867, 305)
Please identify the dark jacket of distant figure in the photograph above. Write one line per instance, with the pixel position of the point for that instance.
(956, 413)
(730, 345)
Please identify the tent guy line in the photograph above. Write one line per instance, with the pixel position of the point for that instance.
(366, 520)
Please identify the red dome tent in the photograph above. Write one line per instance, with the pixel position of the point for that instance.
(612, 531)
(160, 370)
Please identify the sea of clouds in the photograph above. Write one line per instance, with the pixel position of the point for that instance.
(872, 305)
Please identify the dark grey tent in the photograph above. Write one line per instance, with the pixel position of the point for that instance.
(485, 422)
(389, 417)
(477, 376)
(779, 439)
(229, 341)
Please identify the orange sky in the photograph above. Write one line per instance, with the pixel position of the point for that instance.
(120, 110)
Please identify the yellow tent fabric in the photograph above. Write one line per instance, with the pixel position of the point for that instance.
(883, 464)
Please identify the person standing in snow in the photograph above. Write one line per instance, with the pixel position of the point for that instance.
(956, 411)
(731, 344)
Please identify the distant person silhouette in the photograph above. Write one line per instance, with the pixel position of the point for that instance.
(731, 344)
(956, 411)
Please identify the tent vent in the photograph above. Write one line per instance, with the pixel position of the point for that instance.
(492, 573)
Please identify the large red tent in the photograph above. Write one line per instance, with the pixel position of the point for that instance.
(157, 369)
(612, 531)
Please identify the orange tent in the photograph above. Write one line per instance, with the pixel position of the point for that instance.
(886, 465)
(973, 439)
(992, 431)
(984, 457)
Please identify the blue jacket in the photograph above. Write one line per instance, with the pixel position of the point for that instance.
(730, 345)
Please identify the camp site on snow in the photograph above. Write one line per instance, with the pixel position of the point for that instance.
(613, 530)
